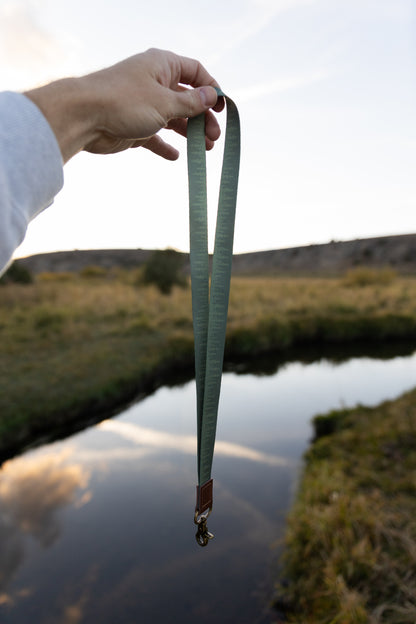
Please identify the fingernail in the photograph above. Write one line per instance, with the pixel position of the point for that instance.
(208, 96)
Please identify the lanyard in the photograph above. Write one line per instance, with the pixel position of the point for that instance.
(210, 304)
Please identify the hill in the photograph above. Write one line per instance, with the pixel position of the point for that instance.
(398, 252)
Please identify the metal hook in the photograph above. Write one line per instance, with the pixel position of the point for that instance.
(203, 535)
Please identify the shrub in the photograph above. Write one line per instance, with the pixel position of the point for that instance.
(58, 276)
(327, 424)
(92, 271)
(163, 269)
(365, 276)
(17, 274)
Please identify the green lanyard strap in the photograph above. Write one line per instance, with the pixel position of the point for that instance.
(210, 304)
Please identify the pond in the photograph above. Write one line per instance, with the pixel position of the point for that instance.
(99, 527)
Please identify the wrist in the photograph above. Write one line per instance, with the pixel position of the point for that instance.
(69, 108)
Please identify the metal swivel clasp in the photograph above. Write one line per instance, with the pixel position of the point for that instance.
(202, 535)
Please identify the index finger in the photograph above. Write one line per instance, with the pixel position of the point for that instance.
(193, 73)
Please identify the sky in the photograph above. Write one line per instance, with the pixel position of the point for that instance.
(326, 91)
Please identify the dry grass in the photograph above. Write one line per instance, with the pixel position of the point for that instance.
(77, 348)
(74, 347)
(277, 313)
(259, 297)
(351, 540)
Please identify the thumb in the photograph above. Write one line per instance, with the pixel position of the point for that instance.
(192, 102)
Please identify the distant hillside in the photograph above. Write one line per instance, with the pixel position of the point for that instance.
(398, 252)
(74, 261)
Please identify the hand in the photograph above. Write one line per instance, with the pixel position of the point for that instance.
(127, 104)
(145, 93)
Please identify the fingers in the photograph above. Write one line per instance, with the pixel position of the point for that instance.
(192, 72)
(178, 125)
(212, 128)
(192, 102)
(159, 147)
(219, 106)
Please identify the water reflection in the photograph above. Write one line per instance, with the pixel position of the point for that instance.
(185, 443)
(99, 528)
(271, 363)
(33, 490)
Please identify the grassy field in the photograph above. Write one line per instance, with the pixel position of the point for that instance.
(350, 554)
(75, 347)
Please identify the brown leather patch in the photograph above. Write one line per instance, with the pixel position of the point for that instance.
(204, 496)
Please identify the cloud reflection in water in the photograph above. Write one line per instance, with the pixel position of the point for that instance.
(33, 489)
(186, 443)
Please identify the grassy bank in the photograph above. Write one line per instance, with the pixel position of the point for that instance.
(73, 348)
(350, 554)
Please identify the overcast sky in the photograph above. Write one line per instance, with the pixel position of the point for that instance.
(326, 93)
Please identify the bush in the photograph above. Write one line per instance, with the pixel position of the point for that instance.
(92, 271)
(58, 276)
(17, 274)
(365, 276)
(163, 269)
(327, 424)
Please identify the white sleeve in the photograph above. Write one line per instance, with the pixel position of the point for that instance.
(31, 169)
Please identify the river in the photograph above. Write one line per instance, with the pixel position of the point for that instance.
(99, 527)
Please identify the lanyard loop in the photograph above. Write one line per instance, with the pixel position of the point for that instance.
(210, 304)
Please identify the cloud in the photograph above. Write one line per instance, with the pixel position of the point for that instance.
(186, 444)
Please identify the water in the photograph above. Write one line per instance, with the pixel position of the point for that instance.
(99, 527)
